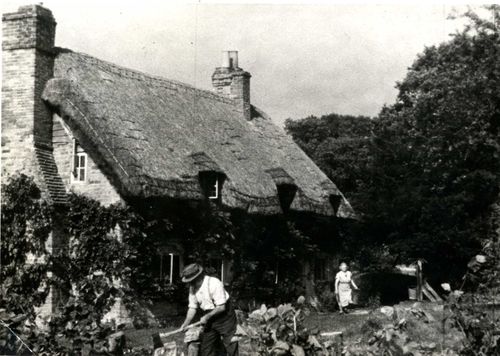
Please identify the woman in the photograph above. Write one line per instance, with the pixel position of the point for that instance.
(343, 292)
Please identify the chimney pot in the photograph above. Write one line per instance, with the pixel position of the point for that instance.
(225, 59)
(229, 59)
(230, 80)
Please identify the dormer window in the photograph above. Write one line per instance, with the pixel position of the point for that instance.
(335, 202)
(80, 162)
(286, 194)
(286, 187)
(213, 192)
(211, 183)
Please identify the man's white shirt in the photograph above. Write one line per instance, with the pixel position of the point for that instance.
(209, 295)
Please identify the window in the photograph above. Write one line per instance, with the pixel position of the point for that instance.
(211, 183)
(80, 161)
(215, 267)
(169, 267)
(213, 189)
(335, 202)
(286, 194)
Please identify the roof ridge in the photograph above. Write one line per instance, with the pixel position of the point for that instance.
(146, 77)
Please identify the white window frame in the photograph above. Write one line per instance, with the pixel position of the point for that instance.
(216, 186)
(74, 169)
(171, 279)
(169, 265)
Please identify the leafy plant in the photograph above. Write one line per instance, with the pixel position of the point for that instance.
(472, 312)
(280, 331)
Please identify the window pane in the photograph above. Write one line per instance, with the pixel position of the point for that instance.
(162, 262)
(214, 189)
(156, 267)
(82, 174)
(82, 161)
(177, 270)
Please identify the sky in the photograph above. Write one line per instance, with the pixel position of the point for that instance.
(304, 59)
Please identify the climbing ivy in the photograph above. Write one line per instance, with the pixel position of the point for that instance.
(26, 223)
(93, 268)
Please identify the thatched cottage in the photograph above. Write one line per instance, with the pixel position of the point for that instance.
(80, 124)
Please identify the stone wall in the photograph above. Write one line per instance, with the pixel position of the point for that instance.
(96, 186)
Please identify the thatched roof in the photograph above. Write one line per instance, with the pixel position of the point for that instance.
(152, 137)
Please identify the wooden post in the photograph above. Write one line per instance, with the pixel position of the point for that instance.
(419, 281)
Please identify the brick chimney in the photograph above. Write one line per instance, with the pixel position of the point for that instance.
(28, 62)
(234, 82)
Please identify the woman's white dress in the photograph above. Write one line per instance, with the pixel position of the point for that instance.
(344, 288)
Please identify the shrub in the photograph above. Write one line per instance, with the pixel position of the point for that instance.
(280, 331)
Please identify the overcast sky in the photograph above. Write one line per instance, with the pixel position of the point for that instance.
(304, 59)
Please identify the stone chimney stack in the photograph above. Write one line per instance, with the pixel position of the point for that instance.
(28, 63)
(234, 82)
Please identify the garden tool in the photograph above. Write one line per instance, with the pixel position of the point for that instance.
(158, 336)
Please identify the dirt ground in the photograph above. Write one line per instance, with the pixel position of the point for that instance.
(324, 322)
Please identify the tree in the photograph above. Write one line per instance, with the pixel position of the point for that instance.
(426, 179)
(340, 146)
(436, 150)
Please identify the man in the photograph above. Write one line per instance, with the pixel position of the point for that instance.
(219, 319)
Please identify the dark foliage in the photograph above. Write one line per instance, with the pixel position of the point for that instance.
(423, 174)
(340, 146)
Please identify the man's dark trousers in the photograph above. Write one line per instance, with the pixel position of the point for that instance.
(222, 327)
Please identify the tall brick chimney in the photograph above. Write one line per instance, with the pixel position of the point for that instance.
(28, 62)
(231, 80)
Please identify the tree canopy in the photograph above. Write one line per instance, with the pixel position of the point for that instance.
(339, 145)
(426, 175)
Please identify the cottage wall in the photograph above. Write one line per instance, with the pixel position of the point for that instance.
(97, 186)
